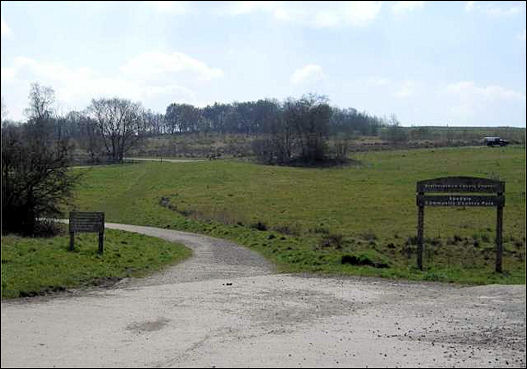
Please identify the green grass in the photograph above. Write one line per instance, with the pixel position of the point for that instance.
(371, 206)
(32, 266)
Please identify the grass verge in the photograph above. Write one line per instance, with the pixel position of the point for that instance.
(36, 266)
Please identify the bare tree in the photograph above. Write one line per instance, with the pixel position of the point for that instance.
(120, 122)
(83, 129)
(296, 132)
(154, 122)
(36, 180)
(310, 117)
(394, 133)
(4, 111)
(183, 118)
(41, 100)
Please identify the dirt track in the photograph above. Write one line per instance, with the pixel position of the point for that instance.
(224, 307)
(160, 159)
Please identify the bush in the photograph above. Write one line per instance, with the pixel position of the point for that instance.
(335, 240)
(365, 259)
(36, 179)
(259, 226)
(340, 150)
(394, 133)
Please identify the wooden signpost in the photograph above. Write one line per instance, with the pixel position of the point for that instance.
(87, 222)
(457, 186)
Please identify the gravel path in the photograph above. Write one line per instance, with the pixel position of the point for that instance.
(212, 258)
(165, 160)
(224, 308)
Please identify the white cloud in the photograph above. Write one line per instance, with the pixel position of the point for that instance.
(522, 36)
(468, 89)
(495, 9)
(5, 30)
(361, 13)
(169, 77)
(469, 101)
(246, 7)
(8, 74)
(503, 11)
(379, 81)
(470, 5)
(171, 7)
(155, 65)
(317, 14)
(407, 89)
(407, 6)
(310, 73)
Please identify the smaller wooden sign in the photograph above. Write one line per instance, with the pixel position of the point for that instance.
(86, 222)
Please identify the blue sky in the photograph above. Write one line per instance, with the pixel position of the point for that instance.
(429, 63)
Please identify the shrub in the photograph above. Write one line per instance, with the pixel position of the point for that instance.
(332, 240)
(368, 236)
(364, 259)
(290, 229)
(36, 179)
(259, 226)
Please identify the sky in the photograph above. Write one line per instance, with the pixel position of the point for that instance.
(429, 63)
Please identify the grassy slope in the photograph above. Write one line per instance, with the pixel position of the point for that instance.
(33, 266)
(371, 205)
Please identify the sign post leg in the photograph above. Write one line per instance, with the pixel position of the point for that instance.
(72, 239)
(499, 239)
(101, 241)
(420, 230)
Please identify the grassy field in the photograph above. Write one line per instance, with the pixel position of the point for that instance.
(354, 220)
(34, 266)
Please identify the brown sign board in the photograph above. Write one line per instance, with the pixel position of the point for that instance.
(461, 184)
(87, 222)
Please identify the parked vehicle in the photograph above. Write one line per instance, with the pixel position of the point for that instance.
(495, 141)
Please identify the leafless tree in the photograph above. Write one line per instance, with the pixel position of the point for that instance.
(154, 122)
(41, 100)
(36, 180)
(120, 122)
(394, 133)
(310, 117)
(4, 111)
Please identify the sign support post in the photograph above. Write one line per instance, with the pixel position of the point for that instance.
(72, 240)
(101, 237)
(420, 232)
(499, 238)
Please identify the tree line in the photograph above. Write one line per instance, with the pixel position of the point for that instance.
(109, 127)
(256, 117)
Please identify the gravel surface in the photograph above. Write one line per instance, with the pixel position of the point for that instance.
(165, 160)
(212, 258)
(224, 307)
